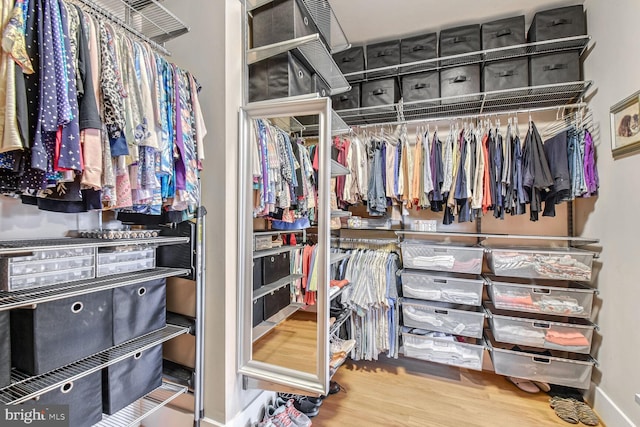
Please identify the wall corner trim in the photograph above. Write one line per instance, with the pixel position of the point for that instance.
(608, 411)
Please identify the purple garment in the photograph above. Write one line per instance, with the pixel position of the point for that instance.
(180, 167)
(590, 169)
(383, 153)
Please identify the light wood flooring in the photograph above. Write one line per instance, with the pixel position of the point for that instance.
(413, 393)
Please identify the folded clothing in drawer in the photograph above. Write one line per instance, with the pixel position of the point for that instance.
(350, 61)
(503, 32)
(558, 23)
(280, 76)
(443, 317)
(574, 335)
(60, 332)
(453, 288)
(281, 20)
(441, 257)
(459, 81)
(549, 366)
(5, 349)
(138, 309)
(421, 86)
(540, 296)
(82, 396)
(554, 68)
(540, 263)
(127, 381)
(509, 74)
(439, 348)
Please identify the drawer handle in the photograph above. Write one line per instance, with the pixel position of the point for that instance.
(137, 356)
(561, 21)
(66, 388)
(381, 53)
(421, 86)
(306, 21)
(300, 74)
(77, 307)
(553, 67)
(459, 39)
(543, 360)
(541, 291)
(323, 92)
(444, 312)
(504, 32)
(379, 92)
(460, 79)
(344, 98)
(347, 59)
(443, 250)
(418, 47)
(273, 259)
(506, 73)
(142, 291)
(541, 325)
(440, 281)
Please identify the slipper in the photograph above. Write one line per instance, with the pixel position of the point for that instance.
(524, 385)
(565, 409)
(542, 386)
(586, 414)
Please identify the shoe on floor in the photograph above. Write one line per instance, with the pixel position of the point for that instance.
(545, 387)
(298, 418)
(279, 417)
(524, 385)
(334, 388)
(284, 397)
(304, 405)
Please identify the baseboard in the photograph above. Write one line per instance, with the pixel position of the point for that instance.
(609, 412)
(250, 416)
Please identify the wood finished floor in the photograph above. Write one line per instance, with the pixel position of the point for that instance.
(412, 393)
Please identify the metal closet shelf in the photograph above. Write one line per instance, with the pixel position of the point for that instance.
(338, 126)
(576, 241)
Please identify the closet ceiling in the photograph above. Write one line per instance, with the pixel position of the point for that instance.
(371, 20)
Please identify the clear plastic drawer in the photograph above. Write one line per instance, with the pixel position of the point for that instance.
(444, 351)
(443, 317)
(574, 335)
(453, 288)
(126, 267)
(553, 367)
(441, 257)
(557, 264)
(117, 256)
(51, 278)
(544, 297)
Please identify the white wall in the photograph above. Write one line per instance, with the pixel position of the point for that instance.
(613, 64)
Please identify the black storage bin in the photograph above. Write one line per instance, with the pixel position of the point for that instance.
(257, 273)
(182, 255)
(419, 48)
(347, 100)
(350, 61)
(421, 86)
(5, 349)
(508, 74)
(281, 20)
(280, 76)
(382, 54)
(258, 311)
(503, 32)
(554, 68)
(558, 23)
(276, 301)
(465, 39)
(82, 396)
(275, 267)
(380, 92)
(60, 332)
(127, 381)
(458, 81)
(139, 309)
(319, 86)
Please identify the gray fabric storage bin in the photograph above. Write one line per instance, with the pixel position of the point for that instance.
(281, 20)
(280, 76)
(5, 349)
(276, 267)
(419, 48)
(83, 396)
(347, 100)
(276, 301)
(558, 23)
(258, 311)
(257, 273)
(454, 41)
(60, 332)
(421, 86)
(350, 61)
(139, 309)
(380, 92)
(458, 81)
(319, 86)
(508, 74)
(128, 380)
(383, 54)
(554, 68)
(503, 32)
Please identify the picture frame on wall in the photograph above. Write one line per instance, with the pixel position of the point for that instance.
(625, 125)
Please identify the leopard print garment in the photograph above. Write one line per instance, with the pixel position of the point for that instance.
(113, 103)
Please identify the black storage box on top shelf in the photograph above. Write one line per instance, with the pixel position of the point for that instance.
(129, 380)
(280, 76)
(275, 267)
(459, 81)
(419, 48)
(383, 54)
(558, 23)
(503, 32)
(276, 301)
(5, 349)
(347, 100)
(458, 40)
(319, 86)
(60, 332)
(281, 20)
(258, 311)
(554, 68)
(257, 273)
(507, 74)
(350, 61)
(82, 397)
(421, 86)
(380, 92)
(139, 309)
(182, 255)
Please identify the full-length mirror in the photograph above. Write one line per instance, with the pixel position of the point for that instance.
(283, 266)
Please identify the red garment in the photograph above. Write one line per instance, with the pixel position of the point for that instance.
(56, 155)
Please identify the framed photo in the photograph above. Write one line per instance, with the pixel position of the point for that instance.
(625, 125)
